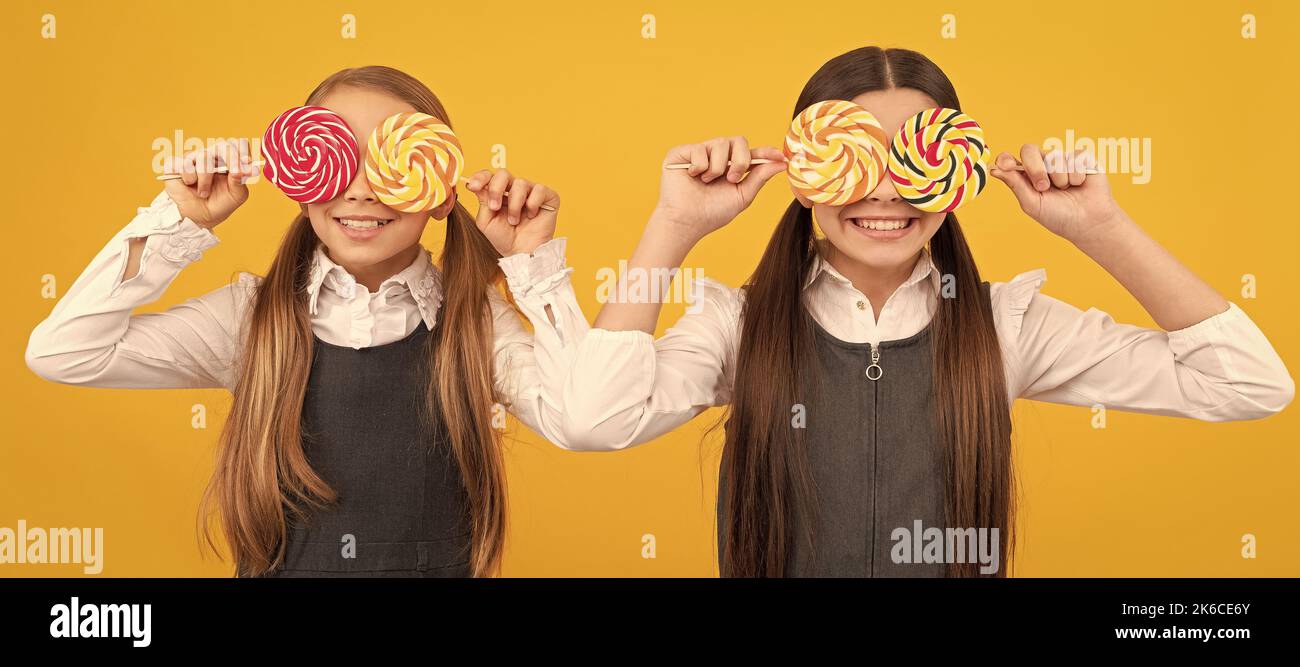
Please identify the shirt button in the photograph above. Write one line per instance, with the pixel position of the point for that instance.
(862, 305)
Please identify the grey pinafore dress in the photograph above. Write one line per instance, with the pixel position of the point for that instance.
(401, 500)
(874, 457)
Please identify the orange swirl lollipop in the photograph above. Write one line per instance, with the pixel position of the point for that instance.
(413, 162)
(835, 153)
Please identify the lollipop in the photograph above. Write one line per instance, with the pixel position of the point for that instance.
(835, 153)
(937, 160)
(413, 162)
(310, 154)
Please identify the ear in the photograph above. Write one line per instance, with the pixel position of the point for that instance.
(807, 203)
(444, 209)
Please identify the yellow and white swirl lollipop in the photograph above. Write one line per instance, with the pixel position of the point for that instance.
(937, 160)
(413, 162)
(835, 153)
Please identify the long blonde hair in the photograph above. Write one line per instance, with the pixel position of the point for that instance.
(262, 476)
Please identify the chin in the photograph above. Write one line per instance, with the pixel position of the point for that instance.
(876, 256)
(347, 251)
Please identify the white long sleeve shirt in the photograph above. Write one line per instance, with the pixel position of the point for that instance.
(594, 389)
(625, 387)
(92, 337)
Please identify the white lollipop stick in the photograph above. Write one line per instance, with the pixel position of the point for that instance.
(687, 165)
(218, 170)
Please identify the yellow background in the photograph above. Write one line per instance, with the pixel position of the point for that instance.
(584, 103)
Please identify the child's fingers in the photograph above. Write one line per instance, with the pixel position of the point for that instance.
(235, 173)
(1058, 169)
(768, 153)
(496, 188)
(719, 154)
(699, 160)
(1077, 169)
(172, 165)
(189, 174)
(518, 195)
(207, 165)
(740, 158)
(758, 176)
(229, 158)
(1004, 170)
(176, 187)
(539, 195)
(476, 182)
(678, 155)
(245, 159)
(1031, 156)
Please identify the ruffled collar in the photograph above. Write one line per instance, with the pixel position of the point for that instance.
(420, 279)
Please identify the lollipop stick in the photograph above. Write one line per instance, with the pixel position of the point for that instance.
(687, 165)
(224, 170)
(218, 170)
(1021, 167)
(544, 207)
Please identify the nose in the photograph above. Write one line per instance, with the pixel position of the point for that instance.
(358, 191)
(884, 191)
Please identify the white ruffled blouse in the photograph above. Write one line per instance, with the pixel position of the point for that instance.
(93, 338)
(594, 389)
(626, 387)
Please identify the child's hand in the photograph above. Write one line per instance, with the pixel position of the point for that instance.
(205, 197)
(1054, 191)
(515, 222)
(710, 193)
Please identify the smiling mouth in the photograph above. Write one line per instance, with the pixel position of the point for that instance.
(883, 224)
(363, 223)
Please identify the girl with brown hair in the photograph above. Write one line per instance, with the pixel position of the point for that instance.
(869, 371)
(361, 439)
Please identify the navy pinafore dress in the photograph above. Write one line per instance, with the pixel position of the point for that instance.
(874, 455)
(402, 509)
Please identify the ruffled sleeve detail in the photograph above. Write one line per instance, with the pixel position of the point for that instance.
(539, 271)
(1012, 298)
(174, 237)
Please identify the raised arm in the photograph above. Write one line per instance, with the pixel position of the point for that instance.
(92, 337)
(531, 367)
(1210, 363)
(626, 388)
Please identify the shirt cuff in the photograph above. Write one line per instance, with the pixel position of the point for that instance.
(1210, 330)
(179, 239)
(619, 338)
(536, 272)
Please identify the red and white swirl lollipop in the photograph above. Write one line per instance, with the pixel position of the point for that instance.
(311, 154)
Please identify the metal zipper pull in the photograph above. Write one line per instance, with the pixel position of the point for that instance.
(874, 371)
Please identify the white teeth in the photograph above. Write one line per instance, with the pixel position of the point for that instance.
(880, 225)
(363, 224)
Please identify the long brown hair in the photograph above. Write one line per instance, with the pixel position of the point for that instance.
(262, 478)
(764, 462)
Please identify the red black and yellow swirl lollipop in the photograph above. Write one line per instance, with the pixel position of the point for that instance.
(937, 160)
